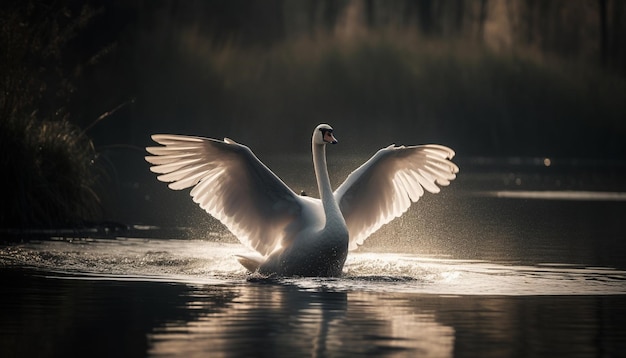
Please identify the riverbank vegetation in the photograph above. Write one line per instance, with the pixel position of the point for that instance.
(48, 162)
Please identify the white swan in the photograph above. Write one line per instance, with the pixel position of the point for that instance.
(299, 235)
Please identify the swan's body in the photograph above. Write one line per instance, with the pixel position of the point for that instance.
(298, 235)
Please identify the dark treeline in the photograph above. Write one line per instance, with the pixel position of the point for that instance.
(592, 31)
(90, 80)
(521, 67)
(112, 52)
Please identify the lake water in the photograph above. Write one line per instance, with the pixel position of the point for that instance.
(516, 258)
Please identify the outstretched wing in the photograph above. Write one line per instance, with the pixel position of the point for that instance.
(231, 184)
(383, 187)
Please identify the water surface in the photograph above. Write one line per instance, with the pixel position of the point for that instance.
(526, 263)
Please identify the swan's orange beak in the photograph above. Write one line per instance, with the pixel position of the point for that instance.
(329, 137)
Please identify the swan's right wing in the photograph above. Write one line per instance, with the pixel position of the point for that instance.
(232, 185)
(383, 187)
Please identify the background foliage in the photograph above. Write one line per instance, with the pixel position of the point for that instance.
(84, 84)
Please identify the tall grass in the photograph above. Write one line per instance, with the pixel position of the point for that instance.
(49, 173)
(47, 163)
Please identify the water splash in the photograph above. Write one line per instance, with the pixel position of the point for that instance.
(208, 262)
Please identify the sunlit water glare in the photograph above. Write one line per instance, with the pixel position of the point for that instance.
(210, 262)
(496, 265)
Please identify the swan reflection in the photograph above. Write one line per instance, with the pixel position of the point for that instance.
(285, 318)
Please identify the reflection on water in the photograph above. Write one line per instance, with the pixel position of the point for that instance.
(537, 271)
(279, 319)
(89, 297)
(558, 195)
(73, 315)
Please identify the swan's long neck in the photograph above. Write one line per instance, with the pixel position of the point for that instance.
(331, 209)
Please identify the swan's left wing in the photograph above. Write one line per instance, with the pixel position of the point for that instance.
(232, 185)
(383, 187)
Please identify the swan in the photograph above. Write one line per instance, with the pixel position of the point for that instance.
(297, 235)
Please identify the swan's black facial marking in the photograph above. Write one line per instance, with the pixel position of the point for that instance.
(327, 135)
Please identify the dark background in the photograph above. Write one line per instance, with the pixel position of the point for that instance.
(519, 78)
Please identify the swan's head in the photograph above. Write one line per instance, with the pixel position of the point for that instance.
(323, 134)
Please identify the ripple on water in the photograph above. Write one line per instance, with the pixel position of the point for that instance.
(194, 261)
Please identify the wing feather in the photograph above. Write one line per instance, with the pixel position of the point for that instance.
(231, 184)
(384, 187)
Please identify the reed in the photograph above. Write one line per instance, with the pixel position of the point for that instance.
(50, 175)
(48, 164)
